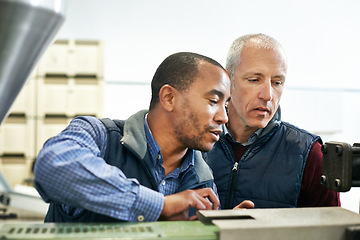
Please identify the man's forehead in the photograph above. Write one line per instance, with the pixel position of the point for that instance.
(259, 56)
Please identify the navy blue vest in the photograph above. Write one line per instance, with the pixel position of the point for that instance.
(133, 166)
(270, 171)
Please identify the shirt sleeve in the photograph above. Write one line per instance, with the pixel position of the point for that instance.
(70, 169)
(312, 193)
(214, 188)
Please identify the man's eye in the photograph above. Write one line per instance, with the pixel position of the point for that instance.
(213, 102)
(278, 82)
(253, 79)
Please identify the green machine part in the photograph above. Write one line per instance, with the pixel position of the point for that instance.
(179, 230)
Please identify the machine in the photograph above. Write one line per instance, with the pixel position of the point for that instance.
(331, 223)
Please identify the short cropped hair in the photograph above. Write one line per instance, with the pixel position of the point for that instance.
(259, 40)
(179, 70)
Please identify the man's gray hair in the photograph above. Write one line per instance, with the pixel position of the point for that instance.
(251, 40)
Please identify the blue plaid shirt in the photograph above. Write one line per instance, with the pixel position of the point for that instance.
(70, 169)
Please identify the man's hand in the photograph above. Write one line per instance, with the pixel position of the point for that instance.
(245, 205)
(176, 206)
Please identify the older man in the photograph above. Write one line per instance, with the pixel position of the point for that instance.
(259, 157)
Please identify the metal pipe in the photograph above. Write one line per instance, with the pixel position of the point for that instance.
(27, 27)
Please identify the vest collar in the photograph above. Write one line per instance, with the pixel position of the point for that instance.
(134, 133)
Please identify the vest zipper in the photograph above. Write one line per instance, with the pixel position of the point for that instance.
(233, 185)
(235, 167)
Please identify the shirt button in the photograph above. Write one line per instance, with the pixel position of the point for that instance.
(140, 218)
(159, 156)
(163, 182)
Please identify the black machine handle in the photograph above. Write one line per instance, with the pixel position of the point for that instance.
(341, 166)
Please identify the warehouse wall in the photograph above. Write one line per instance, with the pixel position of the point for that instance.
(320, 37)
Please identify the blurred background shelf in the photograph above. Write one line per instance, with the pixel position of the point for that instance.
(67, 82)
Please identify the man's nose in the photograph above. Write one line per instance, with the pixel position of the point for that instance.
(221, 116)
(266, 91)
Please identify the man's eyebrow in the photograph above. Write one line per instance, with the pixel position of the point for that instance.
(253, 74)
(216, 92)
(281, 76)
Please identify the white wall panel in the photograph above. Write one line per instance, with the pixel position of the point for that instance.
(123, 100)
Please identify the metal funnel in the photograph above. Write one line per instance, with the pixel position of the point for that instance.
(27, 27)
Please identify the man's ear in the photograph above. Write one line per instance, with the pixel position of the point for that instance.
(167, 97)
